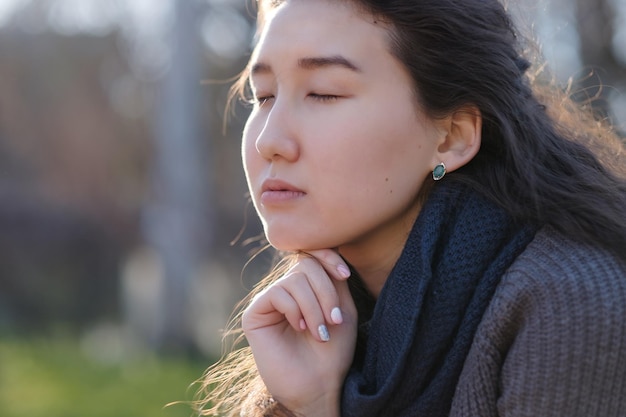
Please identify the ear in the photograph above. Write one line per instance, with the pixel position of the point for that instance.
(460, 138)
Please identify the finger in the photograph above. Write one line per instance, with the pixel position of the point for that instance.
(271, 307)
(348, 307)
(300, 289)
(322, 285)
(325, 291)
(332, 262)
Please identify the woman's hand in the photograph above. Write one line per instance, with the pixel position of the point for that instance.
(302, 331)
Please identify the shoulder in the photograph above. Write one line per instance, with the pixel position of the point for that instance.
(557, 292)
(558, 278)
(553, 258)
(553, 339)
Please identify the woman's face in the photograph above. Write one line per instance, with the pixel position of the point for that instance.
(335, 149)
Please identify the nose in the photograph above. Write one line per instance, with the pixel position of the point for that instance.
(278, 138)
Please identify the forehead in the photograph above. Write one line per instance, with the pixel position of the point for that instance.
(319, 27)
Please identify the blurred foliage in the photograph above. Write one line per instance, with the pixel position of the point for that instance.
(55, 378)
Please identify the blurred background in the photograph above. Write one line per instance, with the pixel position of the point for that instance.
(124, 222)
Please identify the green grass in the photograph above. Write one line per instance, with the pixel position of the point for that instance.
(54, 378)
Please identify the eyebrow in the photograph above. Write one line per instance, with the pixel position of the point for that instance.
(311, 63)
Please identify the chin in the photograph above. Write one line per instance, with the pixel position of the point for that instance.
(293, 243)
(281, 241)
(286, 245)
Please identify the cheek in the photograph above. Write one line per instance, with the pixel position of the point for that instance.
(381, 161)
(373, 149)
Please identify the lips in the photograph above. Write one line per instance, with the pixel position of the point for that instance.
(274, 191)
(278, 185)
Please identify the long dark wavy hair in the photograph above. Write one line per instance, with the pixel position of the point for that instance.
(543, 158)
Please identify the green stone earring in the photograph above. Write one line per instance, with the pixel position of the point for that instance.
(439, 171)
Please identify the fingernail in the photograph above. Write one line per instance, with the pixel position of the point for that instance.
(302, 324)
(343, 270)
(336, 315)
(323, 332)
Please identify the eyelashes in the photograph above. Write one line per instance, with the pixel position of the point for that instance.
(324, 98)
(260, 101)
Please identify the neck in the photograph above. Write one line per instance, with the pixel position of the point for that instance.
(375, 256)
(375, 271)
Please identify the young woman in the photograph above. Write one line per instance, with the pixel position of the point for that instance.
(455, 245)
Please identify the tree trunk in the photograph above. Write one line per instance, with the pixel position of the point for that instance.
(179, 223)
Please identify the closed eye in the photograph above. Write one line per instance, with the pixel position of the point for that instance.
(259, 101)
(323, 97)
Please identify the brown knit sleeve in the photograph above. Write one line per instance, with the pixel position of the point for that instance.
(553, 341)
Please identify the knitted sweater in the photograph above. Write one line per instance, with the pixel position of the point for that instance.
(553, 339)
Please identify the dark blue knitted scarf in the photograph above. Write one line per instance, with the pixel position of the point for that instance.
(412, 346)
